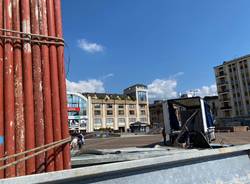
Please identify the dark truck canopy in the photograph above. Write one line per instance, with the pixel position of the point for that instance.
(188, 106)
(190, 118)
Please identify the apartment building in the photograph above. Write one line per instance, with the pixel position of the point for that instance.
(109, 111)
(233, 84)
(213, 102)
(156, 114)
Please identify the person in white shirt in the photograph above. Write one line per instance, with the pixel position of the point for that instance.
(74, 143)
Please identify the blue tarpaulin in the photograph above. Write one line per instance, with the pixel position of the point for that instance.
(209, 117)
(1, 140)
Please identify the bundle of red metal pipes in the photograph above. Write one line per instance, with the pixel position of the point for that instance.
(33, 106)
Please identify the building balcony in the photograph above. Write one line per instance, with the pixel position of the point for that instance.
(221, 74)
(223, 91)
(224, 99)
(222, 83)
(226, 108)
(142, 102)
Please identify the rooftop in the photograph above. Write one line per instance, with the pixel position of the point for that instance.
(137, 85)
(157, 103)
(112, 96)
(233, 60)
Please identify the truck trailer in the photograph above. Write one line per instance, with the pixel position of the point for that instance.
(188, 122)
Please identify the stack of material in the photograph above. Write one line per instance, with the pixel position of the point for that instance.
(33, 106)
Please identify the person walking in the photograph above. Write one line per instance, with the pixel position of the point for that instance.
(74, 143)
(81, 140)
(164, 136)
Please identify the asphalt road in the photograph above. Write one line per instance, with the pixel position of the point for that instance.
(151, 140)
(236, 138)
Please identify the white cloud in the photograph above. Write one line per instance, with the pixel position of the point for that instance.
(162, 89)
(107, 76)
(89, 47)
(178, 74)
(91, 86)
(204, 91)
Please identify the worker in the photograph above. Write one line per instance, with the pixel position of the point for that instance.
(164, 136)
(74, 144)
(81, 140)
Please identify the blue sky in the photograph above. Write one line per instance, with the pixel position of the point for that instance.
(170, 45)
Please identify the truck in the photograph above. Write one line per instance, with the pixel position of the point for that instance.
(188, 122)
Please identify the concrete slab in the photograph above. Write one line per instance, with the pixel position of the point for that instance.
(224, 165)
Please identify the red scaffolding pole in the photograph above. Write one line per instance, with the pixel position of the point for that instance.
(54, 87)
(34, 133)
(9, 110)
(37, 87)
(19, 111)
(1, 92)
(28, 88)
(62, 85)
(46, 87)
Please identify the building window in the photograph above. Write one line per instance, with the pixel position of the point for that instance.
(121, 120)
(97, 106)
(142, 106)
(109, 106)
(143, 119)
(98, 121)
(120, 106)
(132, 120)
(131, 112)
(109, 121)
(121, 112)
(227, 113)
(131, 106)
(97, 112)
(221, 73)
(143, 112)
(142, 95)
(76, 105)
(109, 112)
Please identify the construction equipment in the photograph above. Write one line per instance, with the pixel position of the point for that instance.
(33, 103)
(189, 122)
